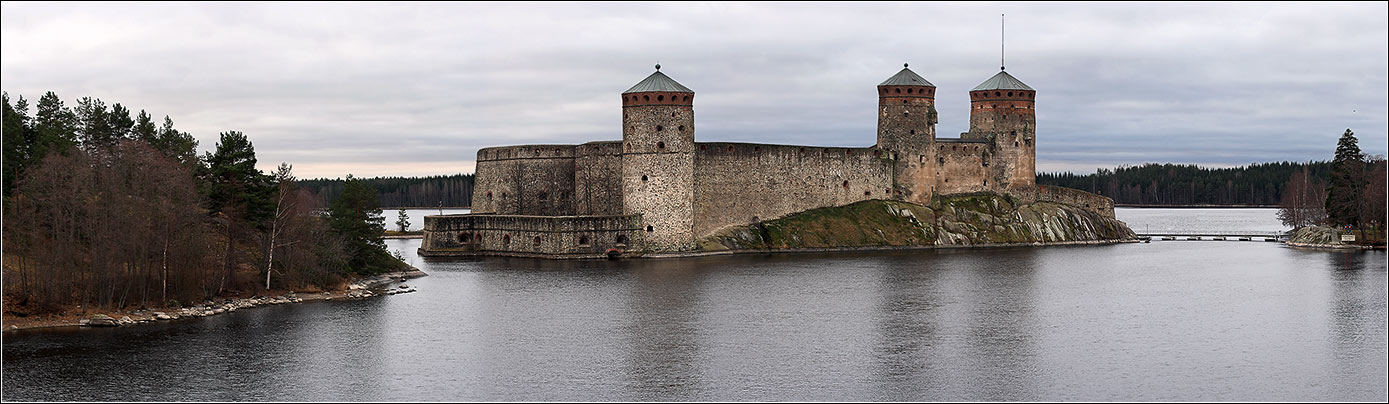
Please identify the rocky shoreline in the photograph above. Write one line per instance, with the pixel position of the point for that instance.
(1321, 237)
(361, 289)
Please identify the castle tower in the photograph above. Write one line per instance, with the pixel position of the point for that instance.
(1002, 110)
(906, 131)
(658, 160)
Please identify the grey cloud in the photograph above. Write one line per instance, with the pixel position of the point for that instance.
(384, 85)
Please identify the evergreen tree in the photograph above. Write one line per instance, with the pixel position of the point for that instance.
(402, 220)
(94, 124)
(237, 192)
(17, 139)
(1347, 182)
(356, 216)
(179, 145)
(55, 127)
(119, 123)
(144, 129)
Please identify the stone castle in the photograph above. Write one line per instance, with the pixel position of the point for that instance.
(658, 191)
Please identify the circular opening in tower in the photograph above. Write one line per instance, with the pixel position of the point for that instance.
(659, 128)
(661, 145)
(660, 98)
(680, 128)
(649, 229)
(643, 178)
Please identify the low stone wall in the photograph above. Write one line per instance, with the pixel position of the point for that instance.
(532, 236)
(741, 183)
(1068, 196)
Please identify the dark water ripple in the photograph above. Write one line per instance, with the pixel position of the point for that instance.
(1160, 321)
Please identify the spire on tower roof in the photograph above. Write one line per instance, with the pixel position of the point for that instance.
(906, 77)
(658, 82)
(1002, 81)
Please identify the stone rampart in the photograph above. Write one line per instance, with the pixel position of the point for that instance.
(1100, 204)
(598, 178)
(525, 180)
(742, 183)
(538, 236)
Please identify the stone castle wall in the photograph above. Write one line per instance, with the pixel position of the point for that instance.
(964, 167)
(570, 236)
(525, 180)
(1097, 203)
(598, 178)
(742, 183)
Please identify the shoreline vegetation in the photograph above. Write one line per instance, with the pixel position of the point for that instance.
(379, 285)
(106, 211)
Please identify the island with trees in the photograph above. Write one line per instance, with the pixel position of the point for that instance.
(105, 212)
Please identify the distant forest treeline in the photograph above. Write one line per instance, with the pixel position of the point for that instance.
(445, 190)
(1172, 184)
(1148, 184)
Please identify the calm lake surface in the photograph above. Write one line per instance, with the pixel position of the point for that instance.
(1168, 320)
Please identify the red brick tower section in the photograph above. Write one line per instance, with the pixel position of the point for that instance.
(1003, 110)
(906, 131)
(658, 161)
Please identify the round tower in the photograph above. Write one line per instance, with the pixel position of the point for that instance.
(658, 160)
(1002, 110)
(906, 131)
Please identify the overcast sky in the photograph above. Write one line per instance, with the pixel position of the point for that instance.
(416, 89)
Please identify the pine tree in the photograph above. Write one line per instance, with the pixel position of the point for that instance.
(402, 220)
(1347, 182)
(237, 192)
(144, 129)
(356, 216)
(17, 140)
(55, 127)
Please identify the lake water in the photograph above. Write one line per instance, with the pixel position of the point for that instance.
(1185, 320)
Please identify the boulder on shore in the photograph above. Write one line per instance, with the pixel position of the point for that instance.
(100, 320)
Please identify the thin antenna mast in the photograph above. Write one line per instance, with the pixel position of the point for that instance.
(1001, 33)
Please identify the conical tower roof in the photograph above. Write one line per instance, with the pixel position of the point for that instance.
(906, 77)
(658, 82)
(1002, 81)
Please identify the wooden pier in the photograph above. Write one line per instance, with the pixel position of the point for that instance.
(1271, 236)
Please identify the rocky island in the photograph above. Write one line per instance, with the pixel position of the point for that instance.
(659, 193)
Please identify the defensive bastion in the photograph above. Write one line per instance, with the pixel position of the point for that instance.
(658, 192)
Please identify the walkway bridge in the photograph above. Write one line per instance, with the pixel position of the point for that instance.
(1213, 236)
